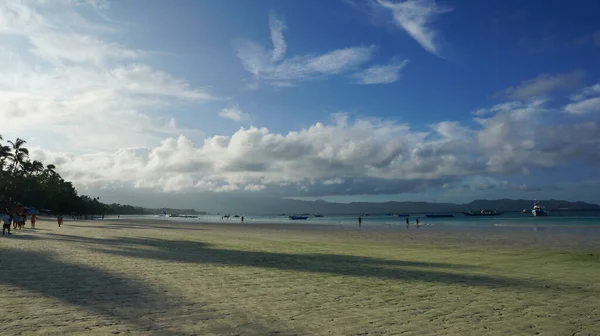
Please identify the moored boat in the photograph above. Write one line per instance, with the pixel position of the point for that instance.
(439, 215)
(538, 209)
(483, 213)
(298, 217)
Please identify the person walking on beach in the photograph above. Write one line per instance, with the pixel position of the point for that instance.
(33, 219)
(242, 219)
(359, 221)
(59, 219)
(6, 219)
(407, 223)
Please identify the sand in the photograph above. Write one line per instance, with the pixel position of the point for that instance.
(161, 278)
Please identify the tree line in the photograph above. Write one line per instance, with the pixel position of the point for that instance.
(27, 182)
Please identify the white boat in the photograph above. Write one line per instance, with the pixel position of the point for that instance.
(538, 209)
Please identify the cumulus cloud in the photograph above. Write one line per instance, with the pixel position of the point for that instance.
(545, 84)
(380, 74)
(415, 17)
(79, 91)
(272, 68)
(234, 113)
(346, 156)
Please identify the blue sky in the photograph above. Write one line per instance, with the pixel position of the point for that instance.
(386, 100)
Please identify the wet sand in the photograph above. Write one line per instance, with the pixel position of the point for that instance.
(166, 278)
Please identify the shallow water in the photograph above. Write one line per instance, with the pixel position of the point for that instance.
(567, 220)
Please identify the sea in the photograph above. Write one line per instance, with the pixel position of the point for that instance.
(559, 219)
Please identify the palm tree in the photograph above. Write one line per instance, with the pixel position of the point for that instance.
(50, 169)
(37, 167)
(5, 153)
(19, 154)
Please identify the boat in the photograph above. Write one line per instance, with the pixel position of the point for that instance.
(236, 216)
(525, 211)
(181, 216)
(538, 209)
(319, 215)
(298, 217)
(483, 213)
(439, 215)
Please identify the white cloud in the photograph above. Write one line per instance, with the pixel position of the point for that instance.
(277, 28)
(415, 17)
(585, 106)
(234, 113)
(545, 84)
(586, 100)
(79, 91)
(361, 156)
(272, 68)
(380, 74)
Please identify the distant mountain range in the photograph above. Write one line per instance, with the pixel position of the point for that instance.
(289, 206)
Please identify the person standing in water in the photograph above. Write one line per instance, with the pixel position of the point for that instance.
(242, 219)
(407, 223)
(359, 221)
(417, 222)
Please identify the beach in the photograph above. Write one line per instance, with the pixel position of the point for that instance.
(155, 277)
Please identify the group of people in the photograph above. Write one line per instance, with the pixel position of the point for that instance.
(17, 220)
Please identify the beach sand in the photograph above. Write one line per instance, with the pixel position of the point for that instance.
(162, 278)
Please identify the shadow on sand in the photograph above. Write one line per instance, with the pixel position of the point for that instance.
(143, 308)
(146, 226)
(346, 265)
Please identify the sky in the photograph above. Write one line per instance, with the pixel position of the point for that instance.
(168, 103)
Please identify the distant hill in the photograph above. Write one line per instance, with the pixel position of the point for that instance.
(175, 211)
(273, 206)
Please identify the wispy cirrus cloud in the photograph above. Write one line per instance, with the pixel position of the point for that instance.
(381, 74)
(415, 17)
(544, 84)
(277, 28)
(585, 101)
(272, 68)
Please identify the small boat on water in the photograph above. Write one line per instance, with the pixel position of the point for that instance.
(182, 216)
(298, 217)
(439, 215)
(483, 213)
(319, 215)
(538, 209)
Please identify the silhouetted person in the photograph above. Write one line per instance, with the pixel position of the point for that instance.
(417, 221)
(359, 221)
(407, 223)
(242, 219)
(6, 219)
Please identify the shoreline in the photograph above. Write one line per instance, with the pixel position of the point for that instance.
(549, 238)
